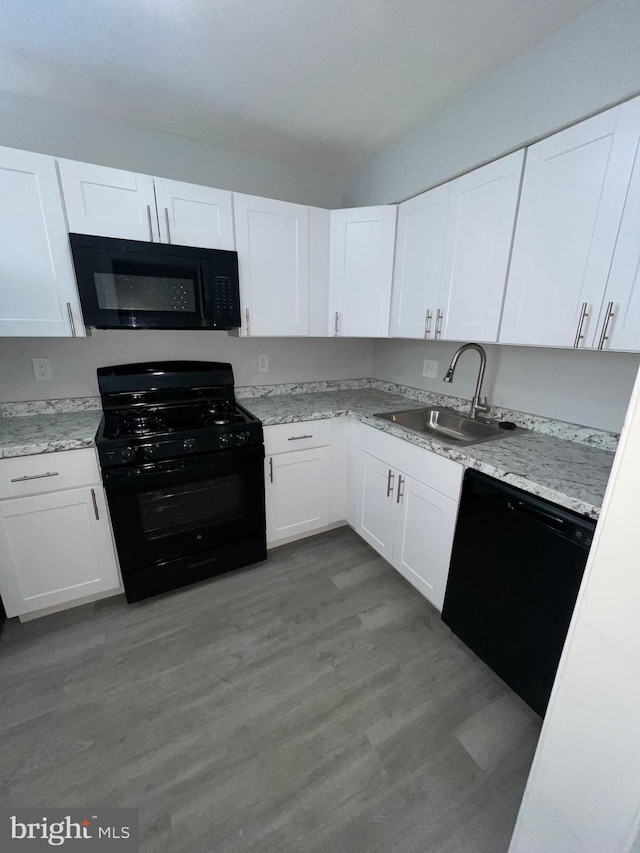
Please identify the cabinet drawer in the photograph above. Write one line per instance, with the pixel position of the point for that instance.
(283, 438)
(48, 472)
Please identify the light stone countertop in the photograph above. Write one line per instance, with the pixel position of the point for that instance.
(34, 434)
(568, 473)
(571, 474)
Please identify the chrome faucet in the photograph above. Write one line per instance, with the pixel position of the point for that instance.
(476, 405)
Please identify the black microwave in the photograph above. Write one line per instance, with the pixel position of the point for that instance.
(137, 285)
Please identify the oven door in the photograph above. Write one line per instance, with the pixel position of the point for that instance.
(173, 509)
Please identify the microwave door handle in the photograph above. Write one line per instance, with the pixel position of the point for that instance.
(204, 279)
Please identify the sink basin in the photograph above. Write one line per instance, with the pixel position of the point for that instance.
(447, 425)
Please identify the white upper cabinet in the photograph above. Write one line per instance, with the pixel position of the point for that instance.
(38, 295)
(360, 271)
(480, 222)
(191, 215)
(573, 193)
(452, 253)
(618, 326)
(420, 243)
(272, 240)
(108, 202)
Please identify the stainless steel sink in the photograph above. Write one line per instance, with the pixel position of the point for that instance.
(447, 425)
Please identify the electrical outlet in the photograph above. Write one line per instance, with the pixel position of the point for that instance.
(42, 369)
(263, 364)
(430, 369)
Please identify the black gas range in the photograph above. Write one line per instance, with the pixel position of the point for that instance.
(183, 470)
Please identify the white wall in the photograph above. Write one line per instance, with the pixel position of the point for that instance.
(586, 65)
(36, 125)
(583, 792)
(74, 361)
(588, 388)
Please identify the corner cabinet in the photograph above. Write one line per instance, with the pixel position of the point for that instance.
(573, 195)
(452, 255)
(304, 478)
(114, 203)
(55, 537)
(408, 518)
(38, 294)
(360, 271)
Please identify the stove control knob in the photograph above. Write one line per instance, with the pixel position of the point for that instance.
(127, 454)
(224, 440)
(147, 451)
(189, 444)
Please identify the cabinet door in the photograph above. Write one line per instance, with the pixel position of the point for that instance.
(55, 548)
(272, 239)
(417, 273)
(38, 294)
(480, 223)
(108, 202)
(425, 525)
(376, 503)
(360, 270)
(618, 326)
(573, 193)
(297, 492)
(191, 215)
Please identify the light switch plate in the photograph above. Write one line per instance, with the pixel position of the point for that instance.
(42, 369)
(430, 369)
(263, 364)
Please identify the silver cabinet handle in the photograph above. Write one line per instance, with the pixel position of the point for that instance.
(439, 319)
(271, 468)
(149, 220)
(583, 316)
(35, 476)
(336, 325)
(298, 437)
(95, 504)
(166, 219)
(71, 322)
(247, 323)
(427, 323)
(605, 326)
(400, 485)
(390, 477)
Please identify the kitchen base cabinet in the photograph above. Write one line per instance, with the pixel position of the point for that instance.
(408, 521)
(56, 545)
(304, 478)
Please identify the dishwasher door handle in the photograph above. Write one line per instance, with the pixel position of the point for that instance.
(537, 514)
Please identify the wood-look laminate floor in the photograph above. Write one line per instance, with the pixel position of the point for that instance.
(314, 702)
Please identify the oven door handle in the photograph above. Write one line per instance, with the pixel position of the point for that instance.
(205, 465)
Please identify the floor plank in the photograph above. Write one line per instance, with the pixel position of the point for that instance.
(312, 703)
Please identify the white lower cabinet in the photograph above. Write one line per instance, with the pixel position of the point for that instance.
(304, 478)
(408, 521)
(56, 546)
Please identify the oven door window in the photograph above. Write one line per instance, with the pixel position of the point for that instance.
(174, 510)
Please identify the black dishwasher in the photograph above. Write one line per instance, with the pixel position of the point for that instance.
(516, 568)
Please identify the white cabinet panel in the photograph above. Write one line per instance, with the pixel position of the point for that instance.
(297, 492)
(272, 239)
(376, 508)
(53, 549)
(191, 215)
(38, 295)
(425, 526)
(420, 244)
(618, 326)
(108, 202)
(573, 193)
(360, 270)
(480, 223)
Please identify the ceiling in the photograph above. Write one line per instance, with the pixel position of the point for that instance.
(315, 83)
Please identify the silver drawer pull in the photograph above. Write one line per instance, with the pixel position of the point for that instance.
(390, 477)
(34, 476)
(583, 315)
(298, 437)
(95, 504)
